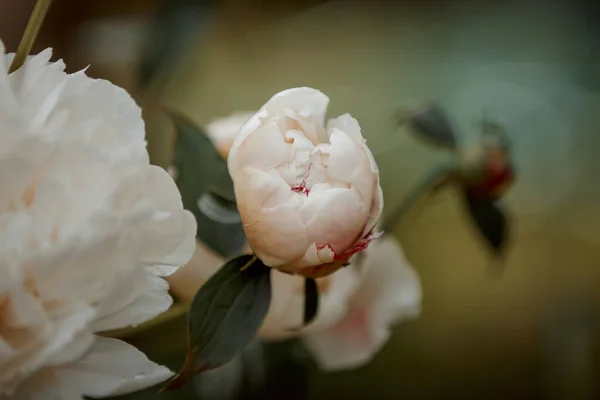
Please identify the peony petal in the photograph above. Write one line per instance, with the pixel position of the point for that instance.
(110, 368)
(350, 126)
(287, 303)
(306, 105)
(48, 384)
(223, 131)
(133, 301)
(325, 212)
(390, 291)
(170, 242)
(349, 163)
(263, 149)
(269, 211)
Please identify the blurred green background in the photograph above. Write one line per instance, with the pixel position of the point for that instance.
(533, 65)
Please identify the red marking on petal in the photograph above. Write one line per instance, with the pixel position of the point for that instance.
(321, 247)
(301, 188)
(359, 246)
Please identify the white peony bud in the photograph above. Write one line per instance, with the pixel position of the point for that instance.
(309, 196)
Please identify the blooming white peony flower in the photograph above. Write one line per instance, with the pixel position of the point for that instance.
(309, 197)
(89, 228)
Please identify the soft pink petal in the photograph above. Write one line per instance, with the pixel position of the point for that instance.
(269, 213)
(325, 213)
(307, 105)
(389, 292)
(350, 126)
(264, 148)
(223, 131)
(287, 304)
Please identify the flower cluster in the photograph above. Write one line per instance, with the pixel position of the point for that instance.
(358, 304)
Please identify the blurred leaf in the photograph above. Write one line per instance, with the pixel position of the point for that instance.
(206, 188)
(225, 316)
(491, 221)
(437, 179)
(311, 300)
(432, 125)
(172, 30)
(200, 168)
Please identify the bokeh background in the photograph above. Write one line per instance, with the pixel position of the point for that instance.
(532, 65)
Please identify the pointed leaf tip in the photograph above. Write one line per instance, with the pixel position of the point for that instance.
(225, 316)
(432, 125)
(179, 380)
(491, 221)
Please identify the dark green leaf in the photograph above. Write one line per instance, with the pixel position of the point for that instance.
(206, 188)
(311, 300)
(433, 182)
(491, 221)
(200, 168)
(225, 315)
(176, 24)
(432, 125)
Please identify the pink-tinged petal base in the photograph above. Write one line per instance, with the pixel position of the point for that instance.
(356, 325)
(339, 259)
(359, 246)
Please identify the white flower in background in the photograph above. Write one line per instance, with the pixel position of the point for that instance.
(358, 305)
(389, 291)
(287, 299)
(309, 196)
(88, 230)
(223, 131)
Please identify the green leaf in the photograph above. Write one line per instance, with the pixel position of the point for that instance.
(491, 222)
(200, 168)
(206, 188)
(433, 126)
(311, 300)
(437, 179)
(225, 316)
(174, 26)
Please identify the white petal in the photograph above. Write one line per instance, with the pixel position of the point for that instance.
(389, 292)
(110, 368)
(271, 221)
(287, 303)
(135, 299)
(170, 242)
(223, 131)
(305, 105)
(350, 126)
(333, 216)
(262, 149)
(48, 384)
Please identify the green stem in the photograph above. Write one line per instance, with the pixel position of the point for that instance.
(31, 31)
(249, 263)
(436, 179)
